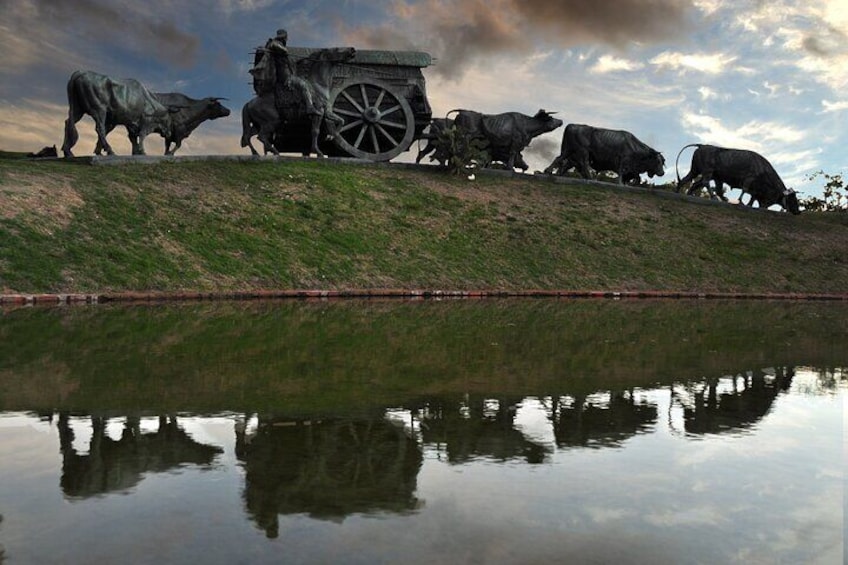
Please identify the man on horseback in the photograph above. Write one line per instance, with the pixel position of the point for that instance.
(286, 79)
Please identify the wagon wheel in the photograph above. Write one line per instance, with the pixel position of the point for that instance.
(378, 124)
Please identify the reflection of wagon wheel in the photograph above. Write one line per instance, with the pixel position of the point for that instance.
(378, 124)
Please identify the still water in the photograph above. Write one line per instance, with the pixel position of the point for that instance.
(515, 431)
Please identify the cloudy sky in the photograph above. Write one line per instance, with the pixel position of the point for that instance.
(766, 76)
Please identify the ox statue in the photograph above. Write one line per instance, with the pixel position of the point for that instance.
(506, 134)
(191, 114)
(606, 150)
(112, 102)
(738, 168)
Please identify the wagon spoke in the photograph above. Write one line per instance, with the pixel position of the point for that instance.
(348, 113)
(374, 140)
(382, 130)
(360, 136)
(364, 95)
(351, 125)
(380, 99)
(352, 101)
(397, 125)
(392, 110)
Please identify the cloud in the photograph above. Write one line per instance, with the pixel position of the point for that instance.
(753, 135)
(712, 63)
(234, 6)
(37, 30)
(834, 106)
(461, 33)
(812, 35)
(609, 64)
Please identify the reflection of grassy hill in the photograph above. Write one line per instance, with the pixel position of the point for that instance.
(304, 358)
(225, 225)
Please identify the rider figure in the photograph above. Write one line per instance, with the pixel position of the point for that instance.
(285, 69)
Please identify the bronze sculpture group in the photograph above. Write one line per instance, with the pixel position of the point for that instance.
(373, 105)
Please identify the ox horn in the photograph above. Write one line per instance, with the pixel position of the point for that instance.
(219, 98)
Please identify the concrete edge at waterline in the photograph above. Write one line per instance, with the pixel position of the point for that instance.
(49, 299)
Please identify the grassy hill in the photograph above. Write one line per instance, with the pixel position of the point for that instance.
(67, 226)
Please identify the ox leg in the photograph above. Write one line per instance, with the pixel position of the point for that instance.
(429, 148)
(137, 141)
(719, 191)
(555, 165)
(316, 129)
(521, 163)
(75, 114)
(98, 147)
(71, 136)
(703, 181)
(685, 181)
(170, 151)
(102, 131)
(583, 164)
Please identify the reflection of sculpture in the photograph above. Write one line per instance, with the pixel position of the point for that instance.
(476, 428)
(583, 422)
(716, 412)
(328, 469)
(112, 465)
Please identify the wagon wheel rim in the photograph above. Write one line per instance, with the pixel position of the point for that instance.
(378, 123)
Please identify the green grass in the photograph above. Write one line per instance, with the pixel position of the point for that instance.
(220, 225)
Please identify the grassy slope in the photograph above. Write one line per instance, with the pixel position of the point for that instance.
(225, 225)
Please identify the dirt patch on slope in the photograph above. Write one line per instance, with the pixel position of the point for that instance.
(50, 197)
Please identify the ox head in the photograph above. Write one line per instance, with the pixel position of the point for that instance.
(789, 201)
(656, 166)
(216, 109)
(547, 120)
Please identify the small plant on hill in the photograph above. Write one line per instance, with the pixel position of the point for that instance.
(835, 194)
(461, 152)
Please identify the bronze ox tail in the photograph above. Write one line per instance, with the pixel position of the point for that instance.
(677, 161)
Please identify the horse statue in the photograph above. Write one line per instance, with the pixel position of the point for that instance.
(283, 99)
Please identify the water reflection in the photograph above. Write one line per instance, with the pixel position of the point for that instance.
(110, 465)
(732, 404)
(452, 432)
(477, 427)
(327, 469)
(332, 467)
(598, 421)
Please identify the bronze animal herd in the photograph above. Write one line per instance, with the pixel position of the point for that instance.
(298, 94)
